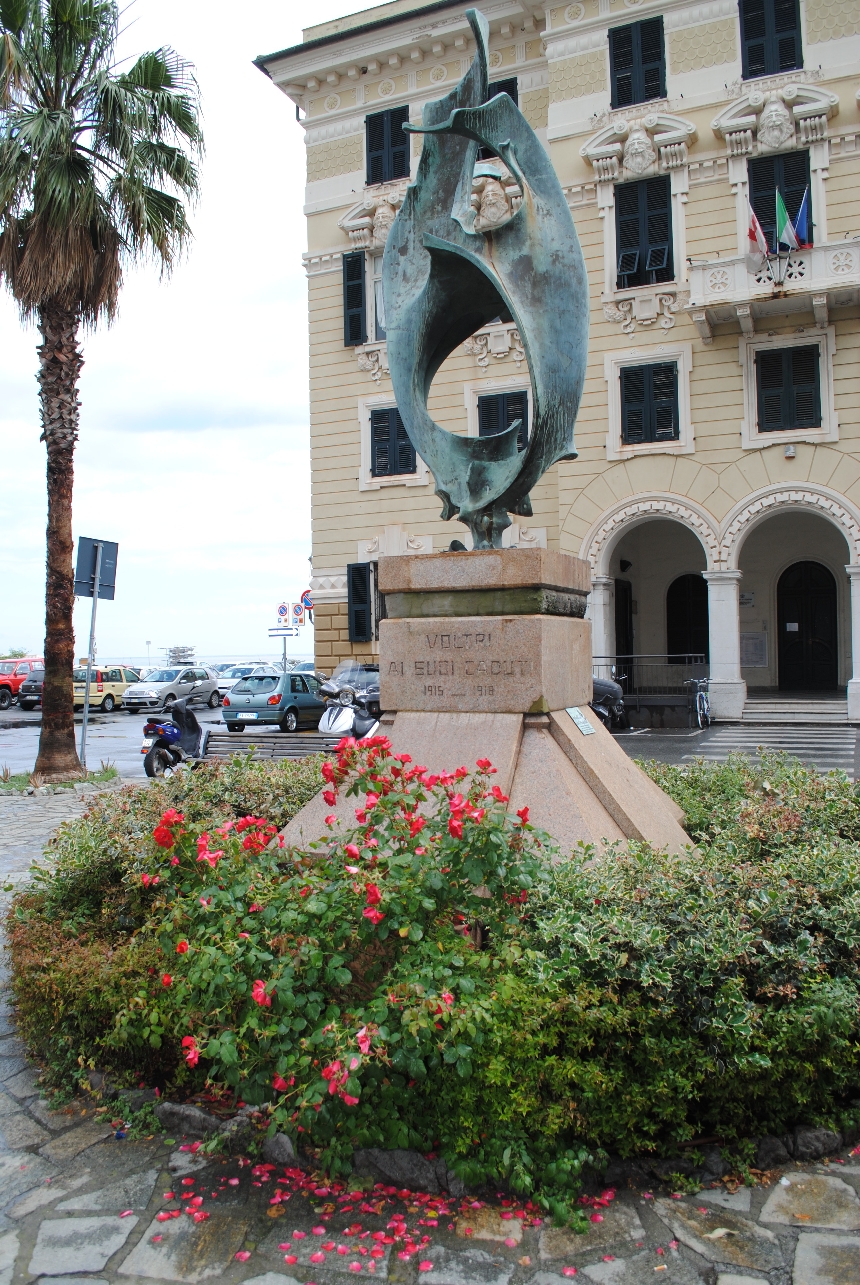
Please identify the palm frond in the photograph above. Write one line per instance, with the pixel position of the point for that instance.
(95, 164)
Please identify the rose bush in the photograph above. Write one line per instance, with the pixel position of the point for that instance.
(439, 976)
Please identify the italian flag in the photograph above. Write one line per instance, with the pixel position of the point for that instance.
(757, 246)
(785, 233)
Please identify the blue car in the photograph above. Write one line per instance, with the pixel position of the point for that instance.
(289, 701)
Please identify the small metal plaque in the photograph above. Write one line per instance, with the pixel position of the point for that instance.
(581, 721)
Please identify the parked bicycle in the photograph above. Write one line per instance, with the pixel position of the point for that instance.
(700, 705)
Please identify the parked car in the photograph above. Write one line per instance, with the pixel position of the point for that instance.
(289, 700)
(13, 673)
(308, 667)
(30, 691)
(108, 686)
(163, 686)
(228, 678)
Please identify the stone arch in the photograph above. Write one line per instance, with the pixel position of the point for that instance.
(601, 539)
(763, 504)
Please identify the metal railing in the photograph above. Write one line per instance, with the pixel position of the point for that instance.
(661, 678)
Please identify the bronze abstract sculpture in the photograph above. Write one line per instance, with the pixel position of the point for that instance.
(471, 244)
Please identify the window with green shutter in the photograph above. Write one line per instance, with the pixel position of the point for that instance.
(498, 411)
(387, 146)
(354, 303)
(637, 62)
(358, 605)
(788, 388)
(770, 37)
(790, 173)
(649, 403)
(391, 452)
(643, 231)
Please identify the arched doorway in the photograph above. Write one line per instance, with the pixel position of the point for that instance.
(806, 619)
(687, 617)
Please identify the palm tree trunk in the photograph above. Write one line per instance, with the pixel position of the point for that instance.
(60, 363)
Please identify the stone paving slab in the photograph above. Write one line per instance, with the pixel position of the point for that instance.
(134, 1192)
(71, 1144)
(672, 1268)
(66, 1245)
(722, 1236)
(826, 1260)
(20, 1131)
(466, 1267)
(19, 1171)
(813, 1200)
(8, 1254)
(738, 1200)
(186, 1251)
(46, 1195)
(617, 1224)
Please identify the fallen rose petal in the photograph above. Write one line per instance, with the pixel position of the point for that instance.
(318, 1231)
(355, 1267)
(156, 1239)
(291, 1258)
(286, 1245)
(299, 1235)
(163, 1216)
(200, 1216)
(126, 1213)
(242, 1254)
(318, 1256)
(568, 1271)
(169, 1195)
(510, 1242)
(426, 1266)
(234, 1182)
(609, 1258)
(596, 1218)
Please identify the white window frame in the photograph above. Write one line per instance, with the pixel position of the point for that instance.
(366, 480)
(373, 278)
(476, 388)
(682, 354)
(825, 338)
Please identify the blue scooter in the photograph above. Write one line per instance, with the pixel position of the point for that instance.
(167, 744)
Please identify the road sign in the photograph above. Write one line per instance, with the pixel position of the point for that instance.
(283, 612)
(298, 613)
(284, 631)
(85, 571)
(307, 600)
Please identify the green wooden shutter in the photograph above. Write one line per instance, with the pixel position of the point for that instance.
(805, 394)
(772, 400)
(509, 87)
(406, 461)
(387, 146)
(788, 172)
(643, 230)
(398, 144)
(664, 402)
(375, 146)
(621, 65)
(358, 601)
(649, 403)
(354, 305)
(634, 424)
(637, 62)
(391, 451)
(770, 36)
(498, 411)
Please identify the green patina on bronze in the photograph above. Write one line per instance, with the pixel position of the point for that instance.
(443, 279)
(485, 602)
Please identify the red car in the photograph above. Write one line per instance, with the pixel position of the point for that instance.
(13, 673)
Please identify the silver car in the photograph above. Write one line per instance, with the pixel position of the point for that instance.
(228, 678)
(163, 686)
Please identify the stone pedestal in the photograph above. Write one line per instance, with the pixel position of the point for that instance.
(487, 654)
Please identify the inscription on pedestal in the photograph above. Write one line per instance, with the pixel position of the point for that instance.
(514, 665)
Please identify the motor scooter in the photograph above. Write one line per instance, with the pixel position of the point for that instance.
(607, 701)
(352, 702)
(166, 744)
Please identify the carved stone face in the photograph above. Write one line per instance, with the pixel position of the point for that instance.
(639, 154)
(494, 208)
(383, 217)
(775, 125)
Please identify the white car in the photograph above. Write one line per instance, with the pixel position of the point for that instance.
(163, 686)
(228, 678)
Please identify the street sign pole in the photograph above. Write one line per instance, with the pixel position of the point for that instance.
(99, 547)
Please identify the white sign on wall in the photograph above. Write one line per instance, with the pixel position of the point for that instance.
(754, 651)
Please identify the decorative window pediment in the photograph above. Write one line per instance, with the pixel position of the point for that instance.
(776, 119)
(627, 149)
(367, 223)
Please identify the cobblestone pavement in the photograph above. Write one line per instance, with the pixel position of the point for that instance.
(81, 1203)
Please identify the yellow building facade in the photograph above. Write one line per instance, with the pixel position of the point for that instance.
(716, 493)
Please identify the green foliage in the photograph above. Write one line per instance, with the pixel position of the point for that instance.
(10, 782)
(436, 977)
(14, 653)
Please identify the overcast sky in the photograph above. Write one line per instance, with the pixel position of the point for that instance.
(193, 450)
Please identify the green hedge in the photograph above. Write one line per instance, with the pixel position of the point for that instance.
(623, 1000)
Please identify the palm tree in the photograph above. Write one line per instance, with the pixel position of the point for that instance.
(94, 165)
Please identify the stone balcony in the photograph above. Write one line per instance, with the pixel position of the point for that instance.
(817, 281)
